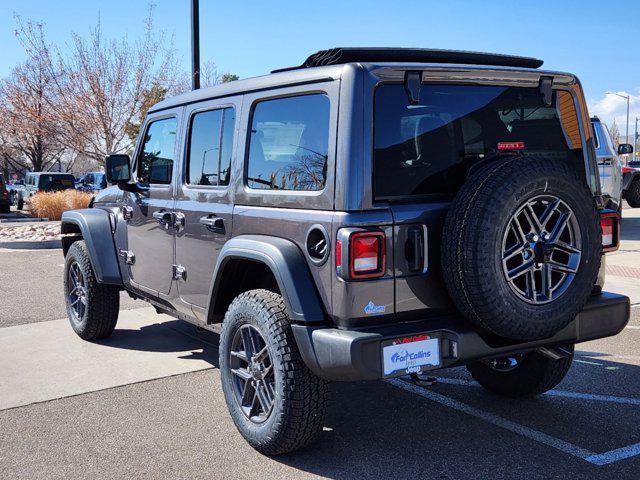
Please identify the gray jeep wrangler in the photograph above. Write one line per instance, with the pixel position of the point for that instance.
(372, 213)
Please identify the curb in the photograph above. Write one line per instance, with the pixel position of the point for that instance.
(32, 244)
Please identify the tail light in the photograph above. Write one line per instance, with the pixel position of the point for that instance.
(626, 169)
(610, 226)
(364, 253)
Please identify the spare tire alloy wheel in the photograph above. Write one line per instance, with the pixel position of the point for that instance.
(522, 247)
(252, 369)
(541, 249)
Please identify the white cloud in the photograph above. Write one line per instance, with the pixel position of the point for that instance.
(612, 107)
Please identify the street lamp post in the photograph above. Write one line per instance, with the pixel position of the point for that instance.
(635, 140)
(195, 45)
(627, 98)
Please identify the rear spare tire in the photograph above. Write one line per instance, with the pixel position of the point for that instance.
(522, 376)
(522, 247)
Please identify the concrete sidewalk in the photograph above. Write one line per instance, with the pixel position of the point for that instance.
(623, 266)
(44, 361)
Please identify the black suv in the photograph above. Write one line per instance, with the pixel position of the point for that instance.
(372, 213)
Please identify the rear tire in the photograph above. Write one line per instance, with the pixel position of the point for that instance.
(92, 307)
(534, 375)
(633, 194)
(5, 209)
(501, 253)
(296, 396)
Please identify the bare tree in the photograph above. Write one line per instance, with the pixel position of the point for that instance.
(100, 84)
(210, 75)
(27, 129)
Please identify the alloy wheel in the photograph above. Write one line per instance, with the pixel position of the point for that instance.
(77, 291)
(541, 249)
(252, 373)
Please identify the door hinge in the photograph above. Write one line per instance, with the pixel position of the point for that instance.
(129, 257)
(179, 272)
(127, 212)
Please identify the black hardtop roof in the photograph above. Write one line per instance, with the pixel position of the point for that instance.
(327, 67)
(341, 55)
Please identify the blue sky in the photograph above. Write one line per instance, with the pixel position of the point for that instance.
(594, 39)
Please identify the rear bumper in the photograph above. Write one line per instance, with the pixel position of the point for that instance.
(341, 355)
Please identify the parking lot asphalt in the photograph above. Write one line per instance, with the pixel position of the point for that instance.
(31, 287)
(172, 422)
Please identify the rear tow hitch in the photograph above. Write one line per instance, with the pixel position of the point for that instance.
(423, 380)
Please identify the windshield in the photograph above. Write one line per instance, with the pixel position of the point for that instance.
(55, 182)
(429, 147)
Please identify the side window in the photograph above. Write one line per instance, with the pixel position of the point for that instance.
(155, 161)
(289, 143)
(210, 144)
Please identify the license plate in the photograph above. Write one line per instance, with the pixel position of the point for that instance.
(403, 356)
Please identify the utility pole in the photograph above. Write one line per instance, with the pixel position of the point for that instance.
(195, 45)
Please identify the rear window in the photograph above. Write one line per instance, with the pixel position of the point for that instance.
(428, 148)
(55, 182)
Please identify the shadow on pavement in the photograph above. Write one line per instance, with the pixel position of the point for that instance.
(158, 337)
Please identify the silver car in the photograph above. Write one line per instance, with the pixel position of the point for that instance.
(35, 182)
(609, 164)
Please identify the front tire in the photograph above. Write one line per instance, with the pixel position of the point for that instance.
(633, 194)
(20, 204)
(276, 402)
(92, 307)
(533, 374)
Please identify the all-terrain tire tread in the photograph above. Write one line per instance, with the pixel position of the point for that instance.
(103, 300)
(464, 234)
(633, 194)
(536, 376)
(305, 394)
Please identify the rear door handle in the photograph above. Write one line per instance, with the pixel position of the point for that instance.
(164, 218)
(213, 223)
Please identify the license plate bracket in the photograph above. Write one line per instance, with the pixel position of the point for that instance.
(412, 354)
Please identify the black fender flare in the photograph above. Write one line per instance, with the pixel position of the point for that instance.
(289, 267)
(95, 226)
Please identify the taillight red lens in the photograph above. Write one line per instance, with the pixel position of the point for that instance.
(629, 169)
(367, 254)
(610, 225)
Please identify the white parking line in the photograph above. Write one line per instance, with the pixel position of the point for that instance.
(556, 393)
(615, 455)
(535, 435)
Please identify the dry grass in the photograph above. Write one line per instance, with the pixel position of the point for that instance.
(51, 204)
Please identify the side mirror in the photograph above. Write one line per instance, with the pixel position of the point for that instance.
(118, 168)
(625, 149)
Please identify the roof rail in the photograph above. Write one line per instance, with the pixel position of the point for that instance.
(336, 56)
